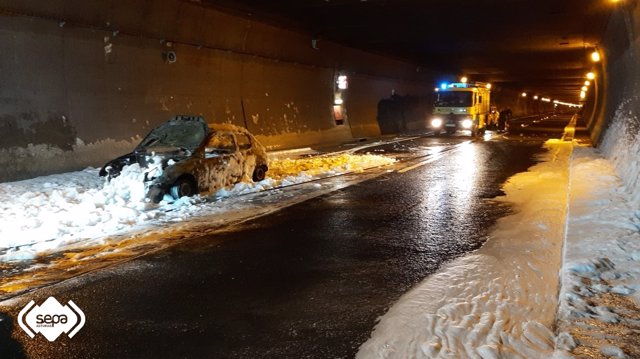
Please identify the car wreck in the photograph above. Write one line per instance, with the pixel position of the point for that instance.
(186, 156)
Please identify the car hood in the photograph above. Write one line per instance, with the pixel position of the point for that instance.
(181, 132)
(175, 140)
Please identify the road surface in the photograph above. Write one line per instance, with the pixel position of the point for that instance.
(306, 282)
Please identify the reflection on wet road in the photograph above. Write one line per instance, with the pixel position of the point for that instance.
(306, 282)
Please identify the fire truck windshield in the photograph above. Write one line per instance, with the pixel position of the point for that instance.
(453, 99)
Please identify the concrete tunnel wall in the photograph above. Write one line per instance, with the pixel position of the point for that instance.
(82, 81)
(614, 110)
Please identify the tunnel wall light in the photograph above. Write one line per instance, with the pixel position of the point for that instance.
(587, 83)
(595, 56)
(535, 97)
(583, 94)
(591, 75)
(464, 79)
(342, 82)
(585, 88)
(524, 94)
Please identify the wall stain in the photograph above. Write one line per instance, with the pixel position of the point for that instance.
(27, 128)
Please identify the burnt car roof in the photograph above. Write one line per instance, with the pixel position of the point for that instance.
(181, 131)
(226, 127)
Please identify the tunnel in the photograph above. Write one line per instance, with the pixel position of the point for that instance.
(135, 187)
(83, 82)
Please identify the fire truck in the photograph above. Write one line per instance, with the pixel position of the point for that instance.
(462, 107)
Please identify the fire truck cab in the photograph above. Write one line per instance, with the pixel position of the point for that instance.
(461, 106)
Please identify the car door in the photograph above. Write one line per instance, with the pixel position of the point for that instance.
(247, 155)
(220, 162)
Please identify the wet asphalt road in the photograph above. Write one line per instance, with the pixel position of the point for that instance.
(306, 282)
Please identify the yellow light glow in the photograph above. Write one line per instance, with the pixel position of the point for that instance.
(524, 94)
(535, 97)
(489, 86)
(595, 56)
(591, 76)
(464, 79)
(585, 88)
(587, 83)
(583, 94)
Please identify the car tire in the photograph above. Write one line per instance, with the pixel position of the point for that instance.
(155, 194)
(184, 186)
(259, 173)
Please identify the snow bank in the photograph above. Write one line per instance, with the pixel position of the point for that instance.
(49, 213)
(500, 301)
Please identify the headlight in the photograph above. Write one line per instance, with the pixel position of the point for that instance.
(436, 122)
(467, 124)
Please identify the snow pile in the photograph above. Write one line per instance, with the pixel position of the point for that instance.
(500, 301)
(599, 308)
(47, 213)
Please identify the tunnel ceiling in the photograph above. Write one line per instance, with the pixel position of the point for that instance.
(539, 46)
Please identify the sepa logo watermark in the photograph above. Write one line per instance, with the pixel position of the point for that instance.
(51, 319)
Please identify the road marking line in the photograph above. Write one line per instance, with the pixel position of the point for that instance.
(435, 156)
(420, 164)
(570, 129)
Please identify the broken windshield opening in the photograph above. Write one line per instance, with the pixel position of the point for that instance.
(175, 134)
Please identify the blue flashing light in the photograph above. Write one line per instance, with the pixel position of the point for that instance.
(444, 85)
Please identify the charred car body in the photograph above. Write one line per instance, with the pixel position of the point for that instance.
(186, 156)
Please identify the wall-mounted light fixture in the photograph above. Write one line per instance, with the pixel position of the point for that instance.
(524, 94)
(595, 56)
(342, 82)
(591, 75)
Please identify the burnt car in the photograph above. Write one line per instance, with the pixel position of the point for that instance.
(186, 156)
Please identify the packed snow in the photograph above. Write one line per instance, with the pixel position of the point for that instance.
(48, 213)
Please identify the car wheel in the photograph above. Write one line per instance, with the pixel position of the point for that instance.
(155, 194)
(259, 173)
(184, 187)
